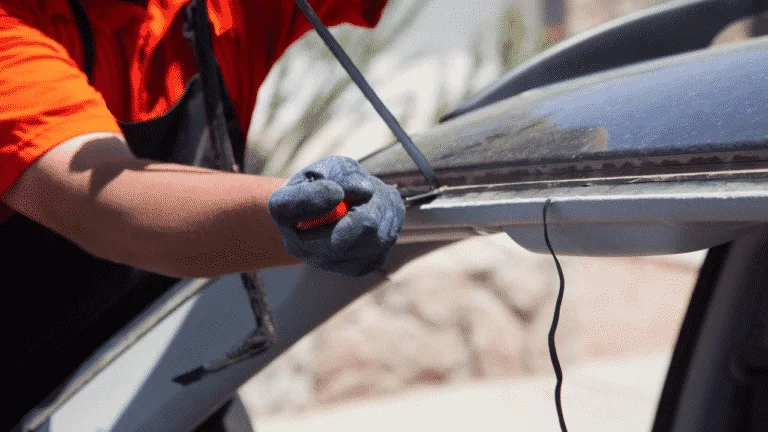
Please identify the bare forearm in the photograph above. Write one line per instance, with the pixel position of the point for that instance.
(171, 219)
(188, 222)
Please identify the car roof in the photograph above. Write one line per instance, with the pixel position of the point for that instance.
(706, 106)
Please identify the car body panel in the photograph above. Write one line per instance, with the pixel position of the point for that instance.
(129, 383)
(135, 392)
(601, 220)
(665, 29)
(701, 111)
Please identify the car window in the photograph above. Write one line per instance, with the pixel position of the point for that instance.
(457, 339)
(463, 332)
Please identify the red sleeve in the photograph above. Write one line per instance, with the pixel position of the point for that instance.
(363, 13)
(46, 99)
(277, 24)
(267, 29)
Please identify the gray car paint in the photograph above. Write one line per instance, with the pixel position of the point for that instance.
(705, 109)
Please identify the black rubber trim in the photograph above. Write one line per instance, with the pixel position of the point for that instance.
(689, 334)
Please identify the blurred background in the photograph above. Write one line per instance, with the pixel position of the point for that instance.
(457, 339)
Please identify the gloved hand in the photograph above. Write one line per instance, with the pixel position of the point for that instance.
(356, 244)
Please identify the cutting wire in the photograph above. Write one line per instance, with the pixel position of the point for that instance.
(429, 174)
(357, 77)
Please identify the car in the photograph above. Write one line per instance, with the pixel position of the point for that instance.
(638, 138)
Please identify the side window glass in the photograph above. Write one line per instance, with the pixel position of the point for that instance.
(463, 332)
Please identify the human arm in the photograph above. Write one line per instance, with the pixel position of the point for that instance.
(171, 219)
(92, 190)
(64, 164)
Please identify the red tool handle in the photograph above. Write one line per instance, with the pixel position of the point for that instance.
(334, 215)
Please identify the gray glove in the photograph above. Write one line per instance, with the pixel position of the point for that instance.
(356, 244)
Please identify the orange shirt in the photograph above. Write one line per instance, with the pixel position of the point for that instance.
(142, 63)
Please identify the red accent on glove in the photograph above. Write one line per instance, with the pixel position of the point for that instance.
(333, 216)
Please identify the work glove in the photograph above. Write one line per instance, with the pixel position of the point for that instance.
(356, 244)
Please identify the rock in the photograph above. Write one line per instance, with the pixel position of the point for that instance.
(382, 352)
(630, 305)
(521, 279)
(569, 337)
(478, 309)
(525, 283)
(432, 298)
(494, 336)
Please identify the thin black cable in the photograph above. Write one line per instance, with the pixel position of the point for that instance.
(418, 158)
(555, 321)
